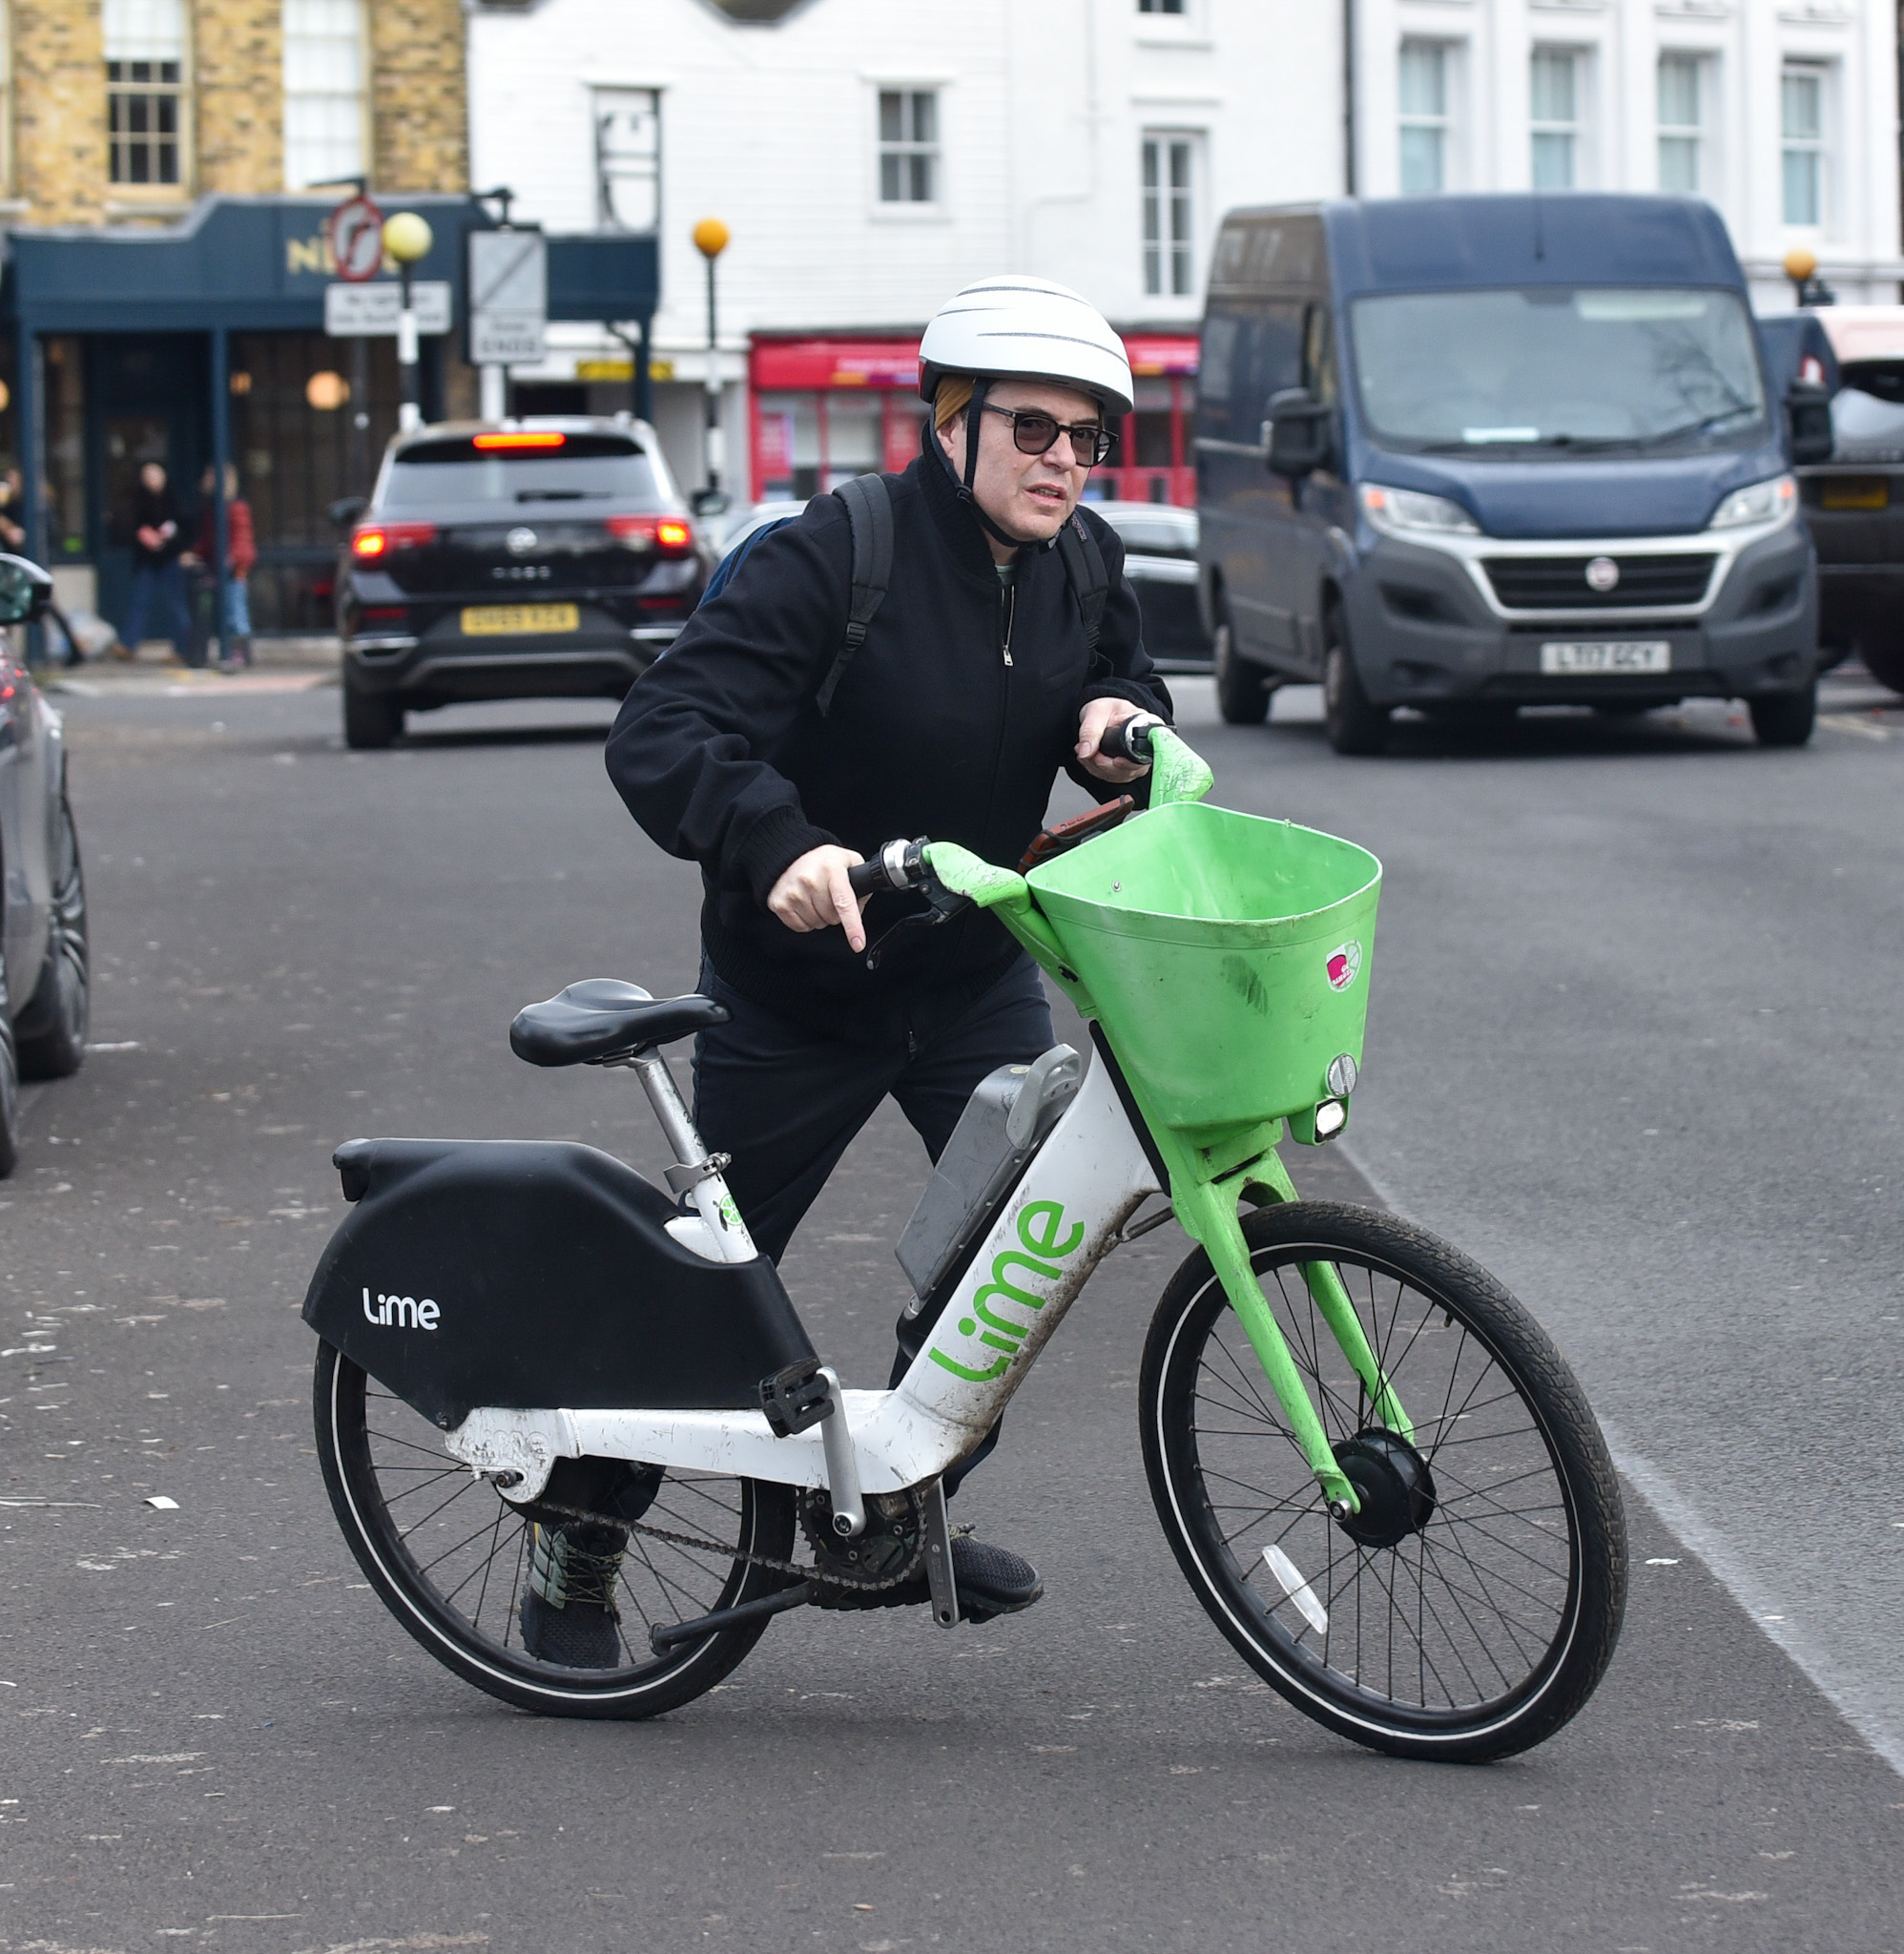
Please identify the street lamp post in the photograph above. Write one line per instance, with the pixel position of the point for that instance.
(1807, 288)
(407, 239)
(711, 237)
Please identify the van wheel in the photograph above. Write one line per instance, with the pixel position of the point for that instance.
(1242, 689)
(369, 720)
(1784, 719)
(1354, 722)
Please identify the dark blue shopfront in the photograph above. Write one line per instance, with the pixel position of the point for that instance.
(205, 341)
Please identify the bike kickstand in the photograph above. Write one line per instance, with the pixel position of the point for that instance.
(939, 1573)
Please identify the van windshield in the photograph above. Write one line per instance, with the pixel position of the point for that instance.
(1558, 369)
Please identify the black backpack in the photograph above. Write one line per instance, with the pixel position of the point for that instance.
(869, 511)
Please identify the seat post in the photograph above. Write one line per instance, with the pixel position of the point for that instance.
(696, 1172)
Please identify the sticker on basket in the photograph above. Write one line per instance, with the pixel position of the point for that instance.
(1344, 964)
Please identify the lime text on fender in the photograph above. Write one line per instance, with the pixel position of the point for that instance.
(1041, 1229)
(400, 1312)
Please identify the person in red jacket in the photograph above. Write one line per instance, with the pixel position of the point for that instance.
(240, 555)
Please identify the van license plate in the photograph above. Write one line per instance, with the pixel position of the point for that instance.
(507, 621)
(1606, 654)
(1854, 491)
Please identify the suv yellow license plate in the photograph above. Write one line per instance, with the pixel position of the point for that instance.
(1606, 655)
(517, 620)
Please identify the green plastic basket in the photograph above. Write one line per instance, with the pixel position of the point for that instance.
(1226, 955)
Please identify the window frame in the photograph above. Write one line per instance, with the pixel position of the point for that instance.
(1443, 123)
(126, 193)
(1696, 134)
(1577, 132)
(909, 91)
(1172, 253)
(1822, 73)
(605, 217)
(364, 116)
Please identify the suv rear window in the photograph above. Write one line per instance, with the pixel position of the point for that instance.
(529, 466)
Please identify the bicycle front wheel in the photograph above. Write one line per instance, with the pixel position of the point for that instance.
(1472, 1605)
(450, 1558)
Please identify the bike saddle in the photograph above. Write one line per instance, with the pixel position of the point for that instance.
(603, 1018)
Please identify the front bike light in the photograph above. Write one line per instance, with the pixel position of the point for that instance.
(1409, 512)
(1331, 1117)
(1773, 500)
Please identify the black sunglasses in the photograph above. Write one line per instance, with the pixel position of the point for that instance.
(1037, 433)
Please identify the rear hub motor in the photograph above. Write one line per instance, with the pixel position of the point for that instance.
(1393, 1485)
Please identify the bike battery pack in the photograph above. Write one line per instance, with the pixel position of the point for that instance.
(1004, 1124)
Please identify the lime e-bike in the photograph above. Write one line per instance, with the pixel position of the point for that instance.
(1376, 1471)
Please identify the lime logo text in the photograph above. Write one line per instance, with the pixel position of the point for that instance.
(400, 1312)
(1041, 1229)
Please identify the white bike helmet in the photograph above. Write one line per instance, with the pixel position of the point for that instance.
(1027, 328)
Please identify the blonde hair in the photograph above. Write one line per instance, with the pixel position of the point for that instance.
(951, 398)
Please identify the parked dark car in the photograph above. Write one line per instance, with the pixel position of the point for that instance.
(1160, 559)
(1854, 502)
(43, 986)
(1471, 453)
(537, 559)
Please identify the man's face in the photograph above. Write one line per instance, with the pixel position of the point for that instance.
(153, 476)
(1028, 496)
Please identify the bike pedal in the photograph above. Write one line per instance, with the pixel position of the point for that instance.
(796, 1399)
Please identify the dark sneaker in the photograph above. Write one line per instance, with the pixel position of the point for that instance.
(991, 1580)
(567, 1609)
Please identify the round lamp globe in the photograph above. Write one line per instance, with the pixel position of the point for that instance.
(711, 236)
(406, 236)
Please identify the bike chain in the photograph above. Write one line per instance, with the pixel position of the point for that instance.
(758, 1560)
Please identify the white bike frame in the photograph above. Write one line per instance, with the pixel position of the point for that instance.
(1085, 1181)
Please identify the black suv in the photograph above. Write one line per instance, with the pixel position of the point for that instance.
(542, 558)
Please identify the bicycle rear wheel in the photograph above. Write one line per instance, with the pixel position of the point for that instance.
(1470, 1608)
(449, 1557)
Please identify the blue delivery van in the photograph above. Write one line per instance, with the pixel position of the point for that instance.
(1472, 453)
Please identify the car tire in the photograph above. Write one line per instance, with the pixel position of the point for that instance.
(1784, 719)
(370, 721)
(1242, 689)
(10, 1087)
(1355, 723)
(1884, 659)
(51, 1035)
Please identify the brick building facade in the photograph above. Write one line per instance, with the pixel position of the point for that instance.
(142, 117)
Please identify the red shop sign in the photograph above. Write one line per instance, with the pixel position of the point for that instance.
(1153, 353)
(781, 364)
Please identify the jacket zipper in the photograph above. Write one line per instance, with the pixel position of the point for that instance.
(1010, 617)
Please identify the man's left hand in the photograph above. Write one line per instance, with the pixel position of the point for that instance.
(1097, 719)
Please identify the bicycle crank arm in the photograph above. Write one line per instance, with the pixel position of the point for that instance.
(661, 1638)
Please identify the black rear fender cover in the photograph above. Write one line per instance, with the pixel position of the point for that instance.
(554, 1283)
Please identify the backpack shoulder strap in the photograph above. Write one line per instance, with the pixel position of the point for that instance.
(869, 510)
(725, 569)
(1084, 567)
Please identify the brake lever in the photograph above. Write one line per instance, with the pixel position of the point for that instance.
(941, 905)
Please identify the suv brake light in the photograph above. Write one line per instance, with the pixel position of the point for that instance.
(540, 438)
(374, 540)
(667, 534)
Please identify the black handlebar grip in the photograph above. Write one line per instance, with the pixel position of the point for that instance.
(1129, 739)
(868, 878)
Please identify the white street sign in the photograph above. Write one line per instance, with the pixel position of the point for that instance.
(369, 312)
(508, 296)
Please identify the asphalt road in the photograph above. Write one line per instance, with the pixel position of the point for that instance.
(1632, 1045)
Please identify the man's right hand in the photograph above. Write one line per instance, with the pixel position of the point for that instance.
(814, 894)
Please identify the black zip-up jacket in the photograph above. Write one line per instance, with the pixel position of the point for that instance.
(951, 721)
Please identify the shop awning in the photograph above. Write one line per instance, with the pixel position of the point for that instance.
(792, 365)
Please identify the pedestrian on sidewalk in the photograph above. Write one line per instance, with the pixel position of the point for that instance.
(158, 543)
(240, 555)
(13, 491)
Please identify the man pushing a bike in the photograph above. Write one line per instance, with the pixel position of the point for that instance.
(803, 717)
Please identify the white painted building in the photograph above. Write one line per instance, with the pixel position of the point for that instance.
(1784, 112)
(869, 156)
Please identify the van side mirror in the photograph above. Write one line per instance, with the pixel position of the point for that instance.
(25, 591)
(1808, 424)
(1301, 433)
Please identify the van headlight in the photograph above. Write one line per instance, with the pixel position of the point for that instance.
(1408, 511)
(1775, 501)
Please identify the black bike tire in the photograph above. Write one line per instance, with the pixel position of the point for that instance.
(1576, 1660)
(650, 1691)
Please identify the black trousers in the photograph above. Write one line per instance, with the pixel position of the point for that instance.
(786, 1104)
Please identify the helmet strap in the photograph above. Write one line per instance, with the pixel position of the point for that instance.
(974, 427)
